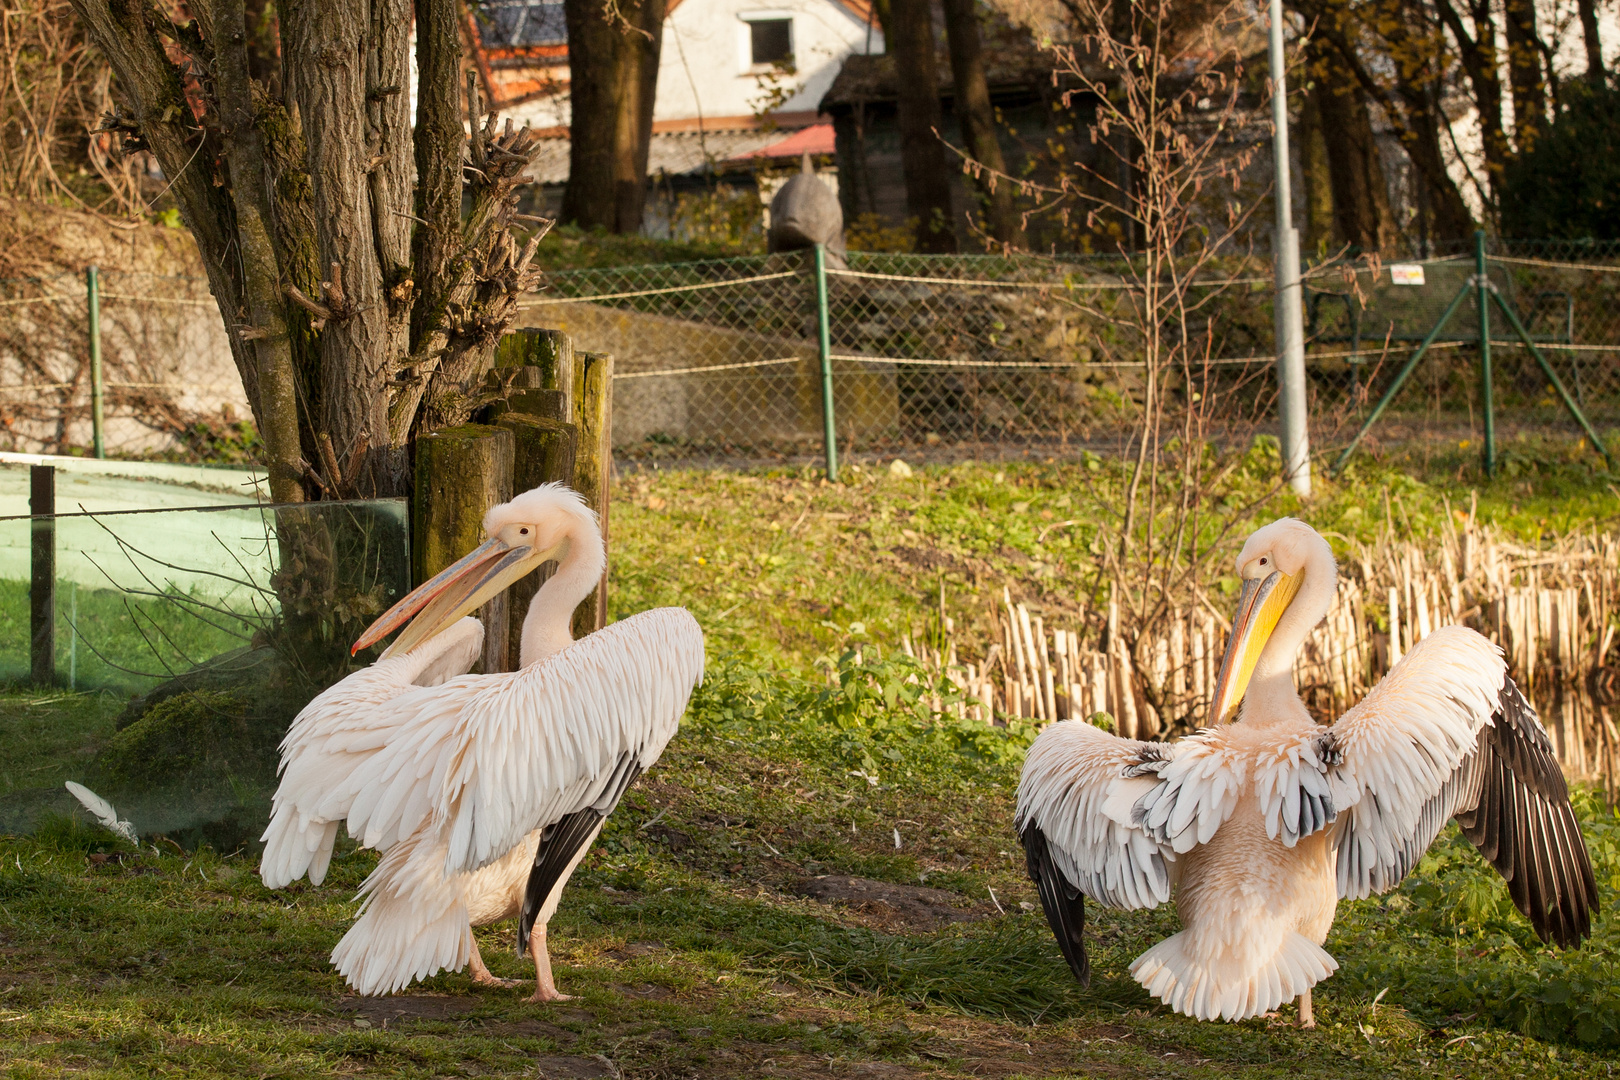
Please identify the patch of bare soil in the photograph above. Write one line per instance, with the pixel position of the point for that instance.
(568, 1067)
(403, 1008)
(911, 907)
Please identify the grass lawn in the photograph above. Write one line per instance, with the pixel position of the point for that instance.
(688, 934)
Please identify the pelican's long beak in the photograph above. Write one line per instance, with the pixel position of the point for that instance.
(460, 588)
(1260, 606)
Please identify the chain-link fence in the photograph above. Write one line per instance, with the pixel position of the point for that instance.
(168, 377)
(989, 356)
(945, 356)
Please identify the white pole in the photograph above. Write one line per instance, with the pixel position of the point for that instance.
(1290, 323)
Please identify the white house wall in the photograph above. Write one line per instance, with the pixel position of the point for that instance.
(705, 70)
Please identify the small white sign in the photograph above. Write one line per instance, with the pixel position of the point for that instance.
(1406, 273)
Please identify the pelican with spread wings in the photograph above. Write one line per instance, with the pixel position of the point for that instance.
(1259, 824)
(483, 792)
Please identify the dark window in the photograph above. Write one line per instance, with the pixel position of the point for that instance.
(772, 40)
(511, 24)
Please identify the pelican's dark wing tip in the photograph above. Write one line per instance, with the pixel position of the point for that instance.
(1065, 905)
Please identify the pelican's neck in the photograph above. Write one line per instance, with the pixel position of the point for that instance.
(547, 628)
(1271, 695)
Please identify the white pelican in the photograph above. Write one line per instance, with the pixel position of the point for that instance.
(1262, 822)
(482, 791)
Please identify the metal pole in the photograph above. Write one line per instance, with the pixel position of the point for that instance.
(1400, 378)
(1290, 323)
(824, 341)
(92, 279)
(1482, 297)
(42, 575)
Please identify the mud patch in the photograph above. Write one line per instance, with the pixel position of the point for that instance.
(912, 906)
(565, 1067)
(404, 1008)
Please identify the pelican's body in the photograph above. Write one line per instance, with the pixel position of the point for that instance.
(483, 792)
(1261, 823)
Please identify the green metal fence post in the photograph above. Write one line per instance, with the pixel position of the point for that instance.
(92, 281)
(1552, 377)
(1482, 298)
(824, 342)
(1400, 379)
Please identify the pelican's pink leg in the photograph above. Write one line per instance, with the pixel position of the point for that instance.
(544, 989)
(1307, 1016)
(483, 976)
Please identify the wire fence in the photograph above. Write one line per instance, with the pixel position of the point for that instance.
(984, 356)
(170, 381)
(926, 356)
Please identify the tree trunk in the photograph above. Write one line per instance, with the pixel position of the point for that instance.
(1315, 173)
(1479, 59)
(613, 73)
(1524, 73)
(978, 118)
(1361, 213)
(1589, 37)
(922, 156)
(350, 330)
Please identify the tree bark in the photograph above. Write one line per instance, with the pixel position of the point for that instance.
(613, 73)
(978, 118)
(298, 191)
(1479, 60)
(1361, 212)
(1590, 38)
(1411, 105)
(1314, 169)
(922, 156)
(1525, 79)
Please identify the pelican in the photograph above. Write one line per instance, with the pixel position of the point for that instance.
(1260, 824)
(483, 792)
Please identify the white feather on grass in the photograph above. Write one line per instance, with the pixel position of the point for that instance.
(103, 811)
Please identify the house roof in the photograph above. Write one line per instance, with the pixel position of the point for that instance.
(816, 139)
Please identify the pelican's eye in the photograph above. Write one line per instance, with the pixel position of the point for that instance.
(523, 532)
(1262, 561)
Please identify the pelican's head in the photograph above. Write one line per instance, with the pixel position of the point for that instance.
(533, 528)
(1273, 566)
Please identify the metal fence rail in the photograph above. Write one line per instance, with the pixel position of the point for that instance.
(728, 360)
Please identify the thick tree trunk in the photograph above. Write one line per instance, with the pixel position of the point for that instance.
(1314, 169)
(978, 118)
(1524, 73)
(299, 196)
(922, 156)
(613, 72)
(1361, 213)
(1590, 38)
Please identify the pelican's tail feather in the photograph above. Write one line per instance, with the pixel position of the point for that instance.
(295, 845)
(1189, 984)
(410, 927)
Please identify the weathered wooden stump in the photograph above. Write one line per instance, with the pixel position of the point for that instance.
(543, 453)
(460, 473)
(593, 464)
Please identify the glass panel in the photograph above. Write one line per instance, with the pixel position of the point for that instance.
(772, 40)
(185, 641)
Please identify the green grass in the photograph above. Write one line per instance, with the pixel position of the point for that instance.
(125, 644)
(682, 934)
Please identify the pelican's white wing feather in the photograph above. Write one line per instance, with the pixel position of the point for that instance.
(344, 726)
(1198, 788)
(103, 811)
(1402, 746)
(1447, 733)
(1075, 790)
(488, 759)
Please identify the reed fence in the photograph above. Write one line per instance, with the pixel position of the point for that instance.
(1551, 607)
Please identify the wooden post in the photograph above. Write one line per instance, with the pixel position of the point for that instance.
(42, 586)
(543, 453)
(549, 350)
(593, 464)
(460, 473)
